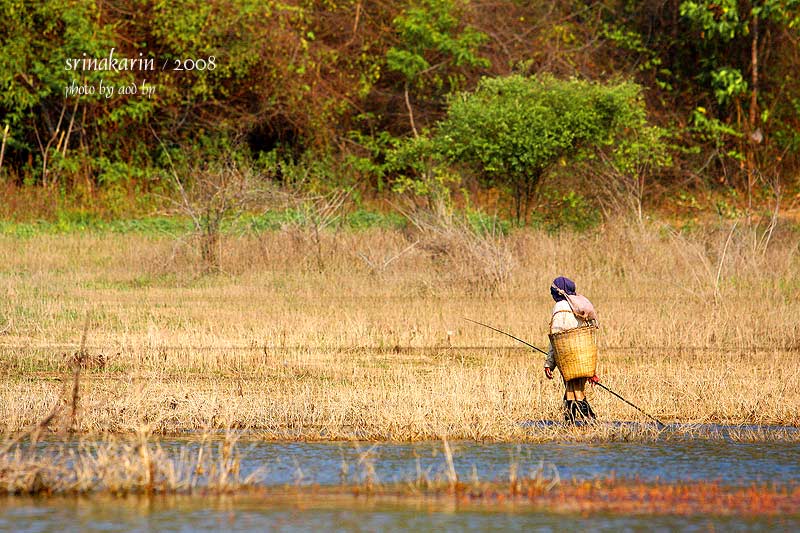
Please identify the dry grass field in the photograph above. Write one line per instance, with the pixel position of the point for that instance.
(360, 334)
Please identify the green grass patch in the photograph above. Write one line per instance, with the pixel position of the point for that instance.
(246, 223)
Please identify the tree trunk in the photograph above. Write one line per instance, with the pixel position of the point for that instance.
(752, 119)
(410, 111)
(209, 249)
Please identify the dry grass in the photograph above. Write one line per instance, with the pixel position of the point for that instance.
(133, 466)
(697, 328)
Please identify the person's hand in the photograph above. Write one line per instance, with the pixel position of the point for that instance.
(548, 372)
(594, 379)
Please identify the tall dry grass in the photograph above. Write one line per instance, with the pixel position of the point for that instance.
(120, 467)
(696, 327)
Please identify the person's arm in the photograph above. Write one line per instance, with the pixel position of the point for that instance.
(550, 362)
(550, 359)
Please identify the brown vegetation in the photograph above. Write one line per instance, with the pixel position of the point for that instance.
(696, 328)
(134, 466)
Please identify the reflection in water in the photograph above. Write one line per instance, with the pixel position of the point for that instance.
(343, 514)
(731, 463)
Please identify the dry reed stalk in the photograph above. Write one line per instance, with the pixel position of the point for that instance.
(134, 466)
(79, 361)
(452, 477)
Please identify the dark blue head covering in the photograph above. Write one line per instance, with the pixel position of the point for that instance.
(562, 284)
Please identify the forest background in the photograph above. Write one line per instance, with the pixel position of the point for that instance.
(688, 109)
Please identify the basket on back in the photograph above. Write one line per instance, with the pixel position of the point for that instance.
(576, 351)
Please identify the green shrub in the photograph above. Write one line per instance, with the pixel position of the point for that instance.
(512, 130)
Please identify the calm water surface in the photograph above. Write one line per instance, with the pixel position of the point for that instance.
(287, 463)
(186, 514)
(326, 463)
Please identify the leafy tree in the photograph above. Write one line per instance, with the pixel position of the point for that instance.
(727, 27)
(36, 39)
(430, 41)
(253, 67)
(513, 129)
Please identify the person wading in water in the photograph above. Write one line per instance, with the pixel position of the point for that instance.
(570, 311)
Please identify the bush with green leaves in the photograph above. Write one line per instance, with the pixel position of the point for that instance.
(513, 129)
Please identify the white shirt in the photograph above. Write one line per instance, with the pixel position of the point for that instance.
(561, 321)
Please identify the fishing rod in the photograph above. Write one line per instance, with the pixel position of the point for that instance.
(661, 425)
(508, 334)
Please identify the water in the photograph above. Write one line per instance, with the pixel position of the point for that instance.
(290, 463)
(324, 463)
(165, 514)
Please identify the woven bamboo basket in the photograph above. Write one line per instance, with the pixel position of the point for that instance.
(576, 352)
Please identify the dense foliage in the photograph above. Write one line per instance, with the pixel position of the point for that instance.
(514, 128)
(347, 81)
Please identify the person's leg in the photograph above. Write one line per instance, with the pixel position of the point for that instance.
(572, 411)
(573, 394)
(580, 396)
(575, 403)
(569, 402)
(575, 388)
(586, 409)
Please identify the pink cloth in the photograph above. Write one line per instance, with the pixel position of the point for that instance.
(581, 306)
